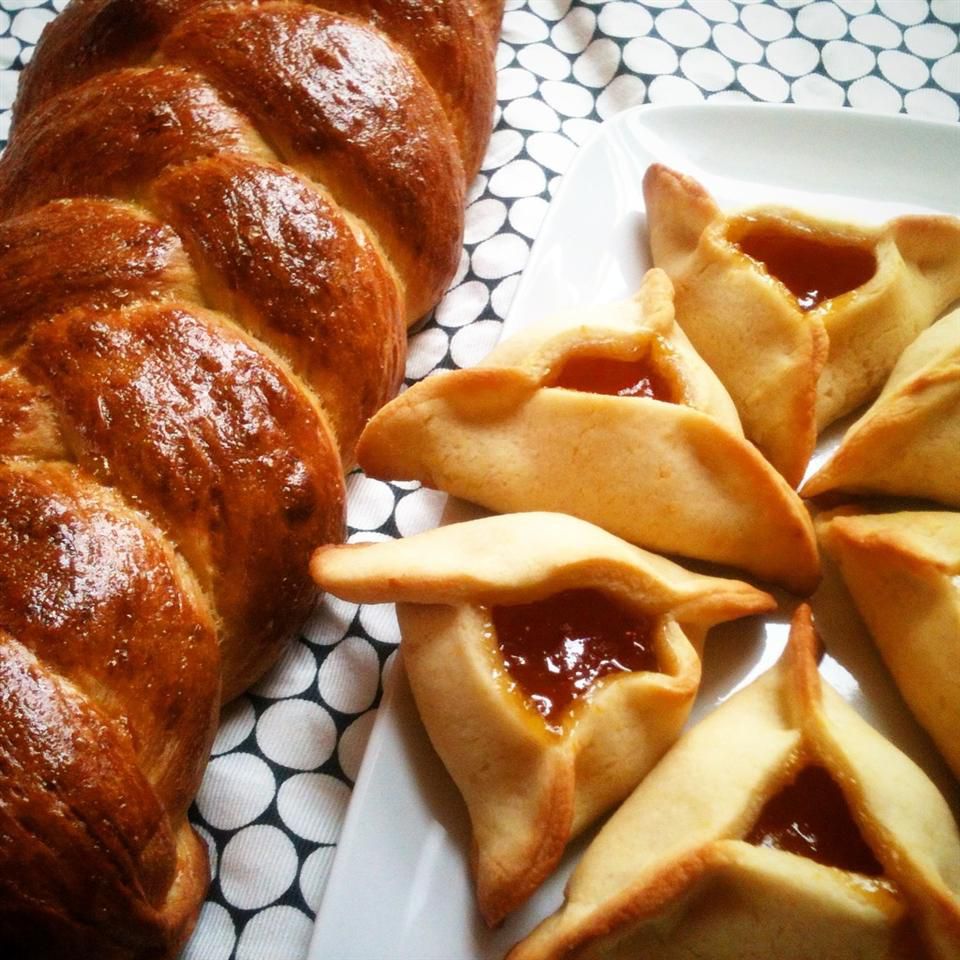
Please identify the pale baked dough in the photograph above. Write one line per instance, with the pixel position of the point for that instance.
(792, 372)
(528, 788)
(903, 572)
(908, 443)
(668, 877)
(673, 477)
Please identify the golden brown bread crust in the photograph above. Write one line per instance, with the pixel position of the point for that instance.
(317, 87)
(91, 601)
(332, 308)
(113, 136)
(216, 219)
(89, 253)
(332, 96)
(199, 428)
(451, 42)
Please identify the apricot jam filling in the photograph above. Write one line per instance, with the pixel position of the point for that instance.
(811, 268)
(619, 378)
(557, 648)
(810, 817)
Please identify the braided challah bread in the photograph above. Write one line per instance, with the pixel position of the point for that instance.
(216, 220)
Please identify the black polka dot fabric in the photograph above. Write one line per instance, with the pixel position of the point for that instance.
(277, 788)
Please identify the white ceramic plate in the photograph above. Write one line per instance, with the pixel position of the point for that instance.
(400, 886)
